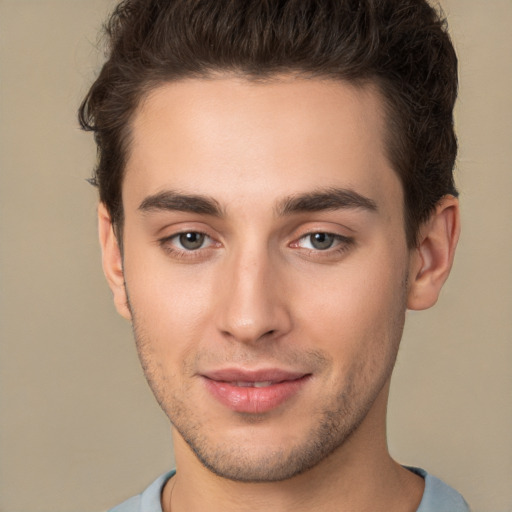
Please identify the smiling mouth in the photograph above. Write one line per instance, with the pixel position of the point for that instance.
(255, 395)
(262, 384)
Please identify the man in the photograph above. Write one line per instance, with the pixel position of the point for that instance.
(276, 190)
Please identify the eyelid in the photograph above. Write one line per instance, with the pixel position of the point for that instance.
(173, 249)
(176, 239)
(170, 230)
(336, 241)
(177, 234)
(339, 238)
(341, 247)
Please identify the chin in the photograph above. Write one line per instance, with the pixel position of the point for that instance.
(253, 460)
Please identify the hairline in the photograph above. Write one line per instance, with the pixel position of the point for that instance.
(372, 83)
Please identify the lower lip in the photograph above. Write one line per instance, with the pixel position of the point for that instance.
(254, 400)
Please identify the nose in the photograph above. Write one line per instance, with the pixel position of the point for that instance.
(253, 303)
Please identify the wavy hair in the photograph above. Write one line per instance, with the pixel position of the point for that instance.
(402, 47)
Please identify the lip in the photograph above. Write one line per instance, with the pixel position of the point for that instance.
(245, 398)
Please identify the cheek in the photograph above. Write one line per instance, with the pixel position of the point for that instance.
(170, 306)
(357, 311)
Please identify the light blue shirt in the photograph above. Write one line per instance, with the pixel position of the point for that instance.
(437, 497)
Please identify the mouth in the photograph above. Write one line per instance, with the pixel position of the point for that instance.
(263, 384)
(254, 392)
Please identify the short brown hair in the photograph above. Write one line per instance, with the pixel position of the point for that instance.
(401, 46)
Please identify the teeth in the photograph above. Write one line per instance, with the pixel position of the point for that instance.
(262, 384)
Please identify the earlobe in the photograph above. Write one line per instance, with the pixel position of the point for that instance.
(112, 261)
(432, 259)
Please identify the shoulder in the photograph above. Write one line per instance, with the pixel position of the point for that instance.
(148, 500)
(438, 496)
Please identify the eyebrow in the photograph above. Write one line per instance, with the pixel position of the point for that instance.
(318, 200)
(171, 200)
(325, 200)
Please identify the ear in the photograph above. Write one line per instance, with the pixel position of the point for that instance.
(112, 262)
(432, 259)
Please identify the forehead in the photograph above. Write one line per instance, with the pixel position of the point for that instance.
(229, 136)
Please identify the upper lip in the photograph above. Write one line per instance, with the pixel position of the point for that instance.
(246, 375)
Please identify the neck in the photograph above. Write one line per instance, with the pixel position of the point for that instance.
(359, 475)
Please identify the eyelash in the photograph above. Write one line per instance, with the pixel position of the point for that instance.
(342, 244)
(167, 245)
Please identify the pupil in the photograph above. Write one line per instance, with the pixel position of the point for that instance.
(191, 241)
(322, 240)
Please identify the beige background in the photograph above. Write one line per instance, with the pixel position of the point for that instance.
(79, 429)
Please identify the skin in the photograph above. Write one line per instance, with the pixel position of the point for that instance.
(228, 158)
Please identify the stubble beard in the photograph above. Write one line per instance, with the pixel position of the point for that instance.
(237, 463)
(336, 421)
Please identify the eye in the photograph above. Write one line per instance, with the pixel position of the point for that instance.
(319, 241)
(190, 241)
(189, 246)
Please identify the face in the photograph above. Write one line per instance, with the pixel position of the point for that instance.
(266, 266)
